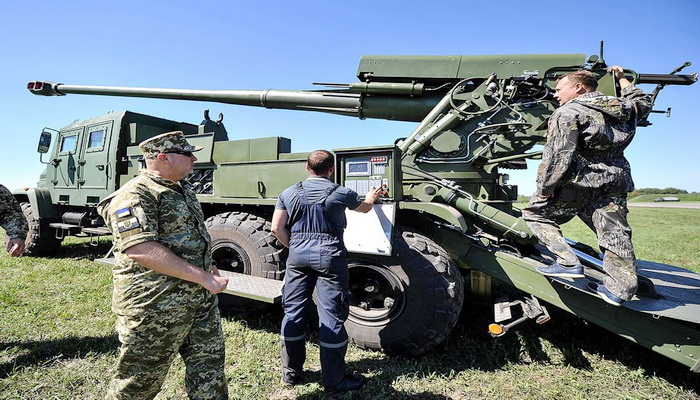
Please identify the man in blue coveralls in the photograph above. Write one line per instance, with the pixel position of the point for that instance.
(309, 218)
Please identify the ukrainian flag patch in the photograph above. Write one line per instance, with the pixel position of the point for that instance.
(126, 221)
(123, 213)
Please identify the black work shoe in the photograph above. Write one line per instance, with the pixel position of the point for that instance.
(609, 298)
(292, 381)
(287, 382)
(349, 382)
(562, 271)
(605, 294)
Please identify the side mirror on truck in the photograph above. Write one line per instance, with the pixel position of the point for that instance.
(44, 142)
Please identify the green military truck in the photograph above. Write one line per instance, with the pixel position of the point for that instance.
(445, 227)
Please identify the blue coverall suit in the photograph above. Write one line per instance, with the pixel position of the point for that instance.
(317, 258)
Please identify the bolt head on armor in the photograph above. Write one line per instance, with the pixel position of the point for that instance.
(169, 142)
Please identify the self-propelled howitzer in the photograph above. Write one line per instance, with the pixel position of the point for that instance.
(445, 204)
(475, 112)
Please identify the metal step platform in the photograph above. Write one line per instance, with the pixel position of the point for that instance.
(253, 287)
(678, 290)
(63, 230)
(97, 231)
(241, 285)
(674, 293)
(60, 225)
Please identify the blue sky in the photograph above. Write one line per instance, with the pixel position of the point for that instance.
(290, 44)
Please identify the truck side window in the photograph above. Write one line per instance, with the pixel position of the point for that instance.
(68, 143)
(96, 138)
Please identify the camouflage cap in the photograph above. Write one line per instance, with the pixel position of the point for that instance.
(169, 142)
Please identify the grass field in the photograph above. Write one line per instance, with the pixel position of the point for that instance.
(57, 340)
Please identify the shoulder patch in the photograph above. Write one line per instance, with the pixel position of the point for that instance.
(123, 213)
(128, 224)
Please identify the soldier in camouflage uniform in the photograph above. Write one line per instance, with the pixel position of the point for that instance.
(13, 221)
(584, 172)
(164, 283)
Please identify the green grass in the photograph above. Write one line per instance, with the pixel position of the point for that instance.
(57, 340)
(670, 236)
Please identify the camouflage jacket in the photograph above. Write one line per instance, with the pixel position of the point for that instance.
(11, 216)
(586, 139)
(151, 208)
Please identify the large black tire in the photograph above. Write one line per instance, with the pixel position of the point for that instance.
(407, 303)
(38, 245)
(243, 243)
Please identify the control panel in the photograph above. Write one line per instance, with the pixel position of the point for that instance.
(361, 170)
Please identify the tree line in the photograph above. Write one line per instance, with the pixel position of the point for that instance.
(668, 190)
(637, 192)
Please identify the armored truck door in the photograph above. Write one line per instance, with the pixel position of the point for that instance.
(65, 174)
(94, 164)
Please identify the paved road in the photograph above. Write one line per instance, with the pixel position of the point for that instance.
(680, 204)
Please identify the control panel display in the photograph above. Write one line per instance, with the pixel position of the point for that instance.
(355, 168)
(362, 172)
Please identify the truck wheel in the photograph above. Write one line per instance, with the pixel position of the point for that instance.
(406, 303)
(38, 245)
(243, 243)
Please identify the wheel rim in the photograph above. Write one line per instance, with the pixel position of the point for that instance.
(229, 256)
(377, 294)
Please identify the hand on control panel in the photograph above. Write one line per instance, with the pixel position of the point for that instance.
(384, 190)
(372, 195)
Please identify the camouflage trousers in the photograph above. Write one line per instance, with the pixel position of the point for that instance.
(150, 342)
(605, 214)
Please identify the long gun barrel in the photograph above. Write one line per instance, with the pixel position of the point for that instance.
(342, 102)
(346, 104)
(402, 88)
